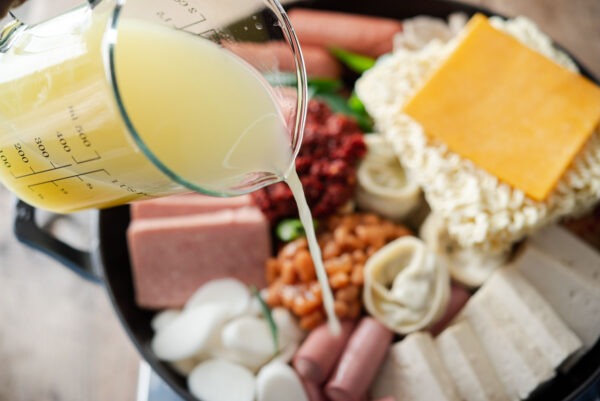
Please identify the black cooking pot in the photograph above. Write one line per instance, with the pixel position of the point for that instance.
(109, 264)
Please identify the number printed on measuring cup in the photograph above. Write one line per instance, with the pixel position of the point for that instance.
(21, 153)
(83, 136)
(63, 142)
(41, 147)
(185, 15)
(4, 159)
(185, 3)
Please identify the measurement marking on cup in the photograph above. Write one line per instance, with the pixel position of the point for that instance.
(78, 176)
(209, 34)
(192, 24)
(34, 172)
(98, 157)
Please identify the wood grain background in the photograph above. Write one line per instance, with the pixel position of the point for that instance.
(59, 338)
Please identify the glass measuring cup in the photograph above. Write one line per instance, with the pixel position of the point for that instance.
(121, 100)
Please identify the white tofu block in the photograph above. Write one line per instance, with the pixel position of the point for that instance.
(575, 299)
(469, 365)
(414, 371)
(387, 382)
(519, 366)
(520, 308)
(561, 244)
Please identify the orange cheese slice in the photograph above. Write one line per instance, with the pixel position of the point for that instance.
(510, 110)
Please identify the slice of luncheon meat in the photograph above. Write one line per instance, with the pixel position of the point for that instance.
(185, 204)
(172, 257)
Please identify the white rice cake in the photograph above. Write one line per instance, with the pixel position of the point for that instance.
(414, 371)
(468, 364)
(574, 297)
(520, 308)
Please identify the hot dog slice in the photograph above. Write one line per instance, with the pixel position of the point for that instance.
(318, 354)
(370, 36)
(360, 361)
(276, 56)
(313, 391)
(458, 298)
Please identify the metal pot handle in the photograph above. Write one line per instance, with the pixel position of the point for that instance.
(28, 232)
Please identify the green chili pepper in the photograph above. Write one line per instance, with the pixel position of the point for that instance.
(356, 62)
(340, 104)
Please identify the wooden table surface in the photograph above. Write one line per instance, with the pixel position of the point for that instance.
(59, 337)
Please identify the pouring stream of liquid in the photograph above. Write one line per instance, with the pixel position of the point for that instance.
(295, 185)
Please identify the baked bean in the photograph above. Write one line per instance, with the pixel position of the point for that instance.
(272, 270)
(371, 250)
(312, 320)
(358, 256)
(346, 242)
(341, 309)
(273, 296)
(305, 304)
(288, 294)
(354, 309)
(373, 236)
(331, 250)
(341, 264)
(347, 294)
(291, 248)
(377, 242)
(351, 242)
(316, 290)
(339, 280)
(358, 277)
(305, 267)
(340, 234)
(288, 272)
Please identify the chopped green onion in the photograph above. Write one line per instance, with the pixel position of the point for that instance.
(269, 316)
(356, 62)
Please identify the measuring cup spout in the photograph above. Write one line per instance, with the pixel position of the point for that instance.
(10, 32)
